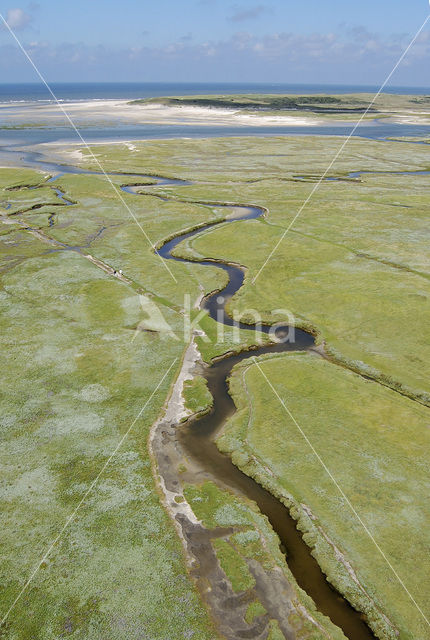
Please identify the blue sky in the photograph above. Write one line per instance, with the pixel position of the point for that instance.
(337, 41)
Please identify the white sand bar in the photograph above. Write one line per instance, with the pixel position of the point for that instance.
(104, 112)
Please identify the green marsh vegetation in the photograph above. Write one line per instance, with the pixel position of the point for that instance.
(24, 125)
(72, 383)
(376, 444)
(353, 269)
(76, 371)
(355, 259)
(197, 395)
(73, 386)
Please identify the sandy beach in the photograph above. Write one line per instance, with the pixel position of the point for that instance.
(93, 112)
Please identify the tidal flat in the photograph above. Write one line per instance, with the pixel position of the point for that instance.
(353, 270)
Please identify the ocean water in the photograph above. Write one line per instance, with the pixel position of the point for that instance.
(68, 92)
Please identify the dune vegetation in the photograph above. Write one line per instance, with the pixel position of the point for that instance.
(331, 106)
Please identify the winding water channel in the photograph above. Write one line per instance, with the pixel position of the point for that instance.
(197, 437)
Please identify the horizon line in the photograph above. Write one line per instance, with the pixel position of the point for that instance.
(214, 82)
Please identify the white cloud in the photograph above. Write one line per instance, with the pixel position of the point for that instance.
(17, 19)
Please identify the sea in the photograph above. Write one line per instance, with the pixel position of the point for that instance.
(80, 91)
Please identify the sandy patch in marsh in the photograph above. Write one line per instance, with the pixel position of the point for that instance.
(75, 156)
(411, 119)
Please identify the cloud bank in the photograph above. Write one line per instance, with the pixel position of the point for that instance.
(353, 55)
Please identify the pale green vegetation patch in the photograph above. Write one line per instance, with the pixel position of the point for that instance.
(24, 125)
(376, 444)
(24, 189)
(11, 178)
(275, 633)
(254, 610)
(233, 566)
(220, 339)
(229, 164)
(216, 508)
(197, 395)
